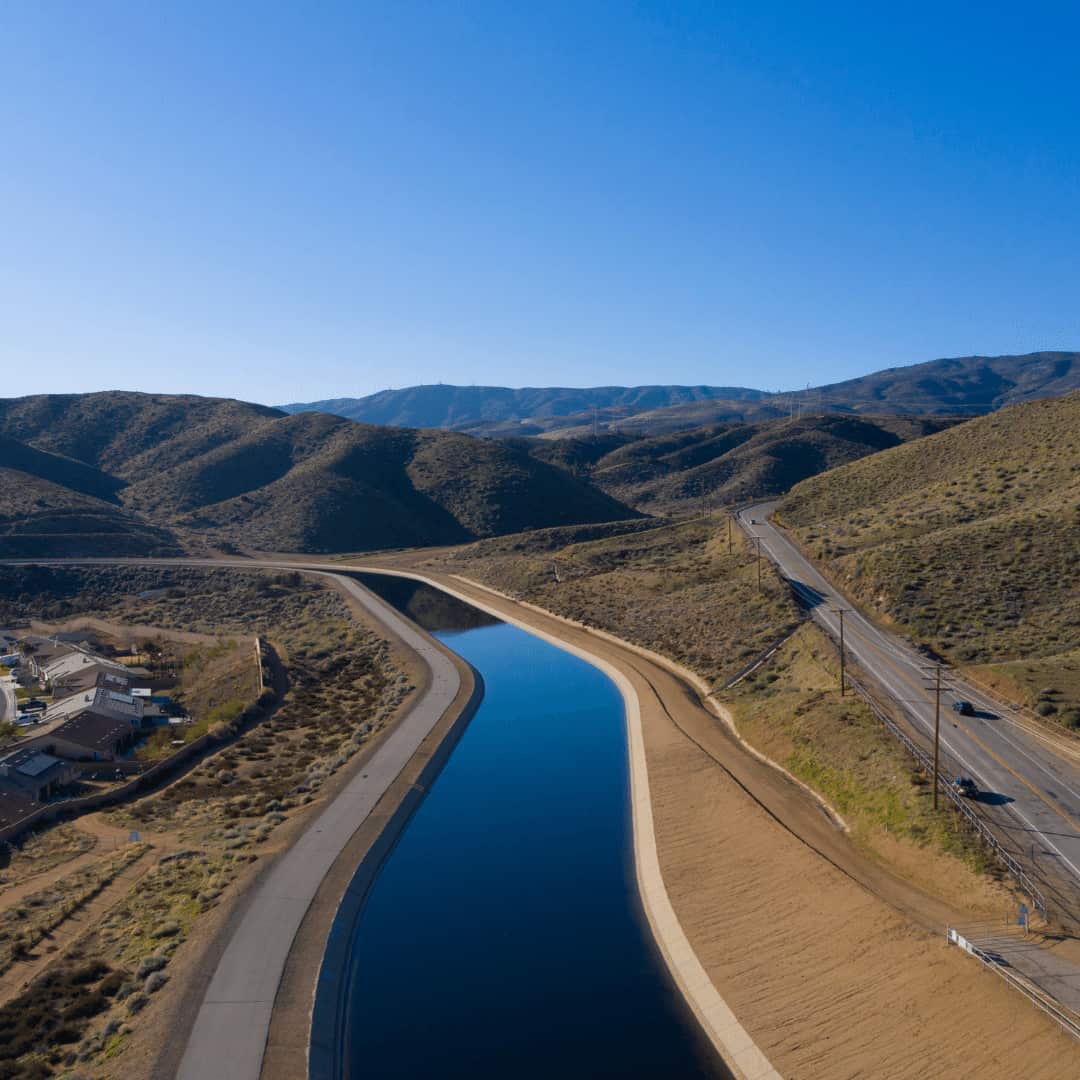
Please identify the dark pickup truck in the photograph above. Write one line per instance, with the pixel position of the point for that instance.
(965, 786)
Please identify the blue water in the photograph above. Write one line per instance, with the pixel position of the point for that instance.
(502, 938)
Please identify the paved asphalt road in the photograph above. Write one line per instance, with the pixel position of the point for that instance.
(1028, 777)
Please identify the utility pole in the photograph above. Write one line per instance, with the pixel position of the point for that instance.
(701, 490)
(757, 544)
(842, 612)
(729, 519)
(937, 726)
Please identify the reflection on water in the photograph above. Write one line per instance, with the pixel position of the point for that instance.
(502, 938)
(427, 607)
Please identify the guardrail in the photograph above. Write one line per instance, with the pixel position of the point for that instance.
(1047, 1005)
(925, 762)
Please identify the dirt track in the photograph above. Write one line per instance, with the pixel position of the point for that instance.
(834, 966)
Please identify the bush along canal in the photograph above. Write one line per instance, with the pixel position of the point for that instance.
(503, 936)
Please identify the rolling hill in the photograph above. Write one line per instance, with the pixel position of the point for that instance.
(254, 477)
(667, 474)
(970, 538)
(39, 517)
(969, 385)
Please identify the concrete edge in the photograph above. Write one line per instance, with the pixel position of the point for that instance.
(329, 1001)
(731, 1040)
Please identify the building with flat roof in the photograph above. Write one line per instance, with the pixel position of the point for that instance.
(102, 699)
(89, 736)
(34, 772)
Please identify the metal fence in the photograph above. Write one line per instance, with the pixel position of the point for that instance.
(1039, 1000)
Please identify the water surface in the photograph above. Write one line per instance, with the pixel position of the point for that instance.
(502, 938)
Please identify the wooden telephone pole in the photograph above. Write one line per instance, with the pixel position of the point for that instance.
(937, 728)
(843, 682)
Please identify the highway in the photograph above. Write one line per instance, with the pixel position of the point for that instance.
(1028, 775)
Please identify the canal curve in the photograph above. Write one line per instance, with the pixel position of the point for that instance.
(503, 935)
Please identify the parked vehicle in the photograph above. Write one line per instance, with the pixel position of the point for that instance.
(965, 786)
(964, 708)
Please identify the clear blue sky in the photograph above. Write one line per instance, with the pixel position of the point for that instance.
(290, 202)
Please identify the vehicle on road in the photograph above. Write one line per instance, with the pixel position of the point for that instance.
(964, 708)
(965, 786)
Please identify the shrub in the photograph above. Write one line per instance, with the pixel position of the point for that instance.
(150, 964)
(137, 1004)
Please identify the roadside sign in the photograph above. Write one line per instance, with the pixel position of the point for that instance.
(1022, 918)
(133, 838)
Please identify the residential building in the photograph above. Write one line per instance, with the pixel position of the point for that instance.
(34, 773)
(78, 671)
(89, 736)
(119, 704)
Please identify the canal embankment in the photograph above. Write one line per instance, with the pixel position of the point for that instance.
(827, 959)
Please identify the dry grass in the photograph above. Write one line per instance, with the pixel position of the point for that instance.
(792, 711)
(222, 815)
(41, 852)
(24, 924)
(1050, 685)
(674, 589)
(968, 538)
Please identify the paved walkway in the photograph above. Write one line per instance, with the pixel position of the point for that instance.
(229, 1036)
(1056, 975)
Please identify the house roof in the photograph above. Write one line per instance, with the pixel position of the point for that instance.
(72, 663)
(103, 700)
(93, 730)
(31, 762)
(36, 763)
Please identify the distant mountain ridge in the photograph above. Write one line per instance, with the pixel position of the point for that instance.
(461, 407)
(968, 385)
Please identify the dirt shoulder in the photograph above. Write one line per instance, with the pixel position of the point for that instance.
(833, 964)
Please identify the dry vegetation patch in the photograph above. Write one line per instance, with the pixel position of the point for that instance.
(791, 710)
(1050, 685)
(969, 538)
(41, 852)
(25, 923)
(674, 589)
(214, 821)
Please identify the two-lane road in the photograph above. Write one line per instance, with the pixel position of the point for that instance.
(1028, 776)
